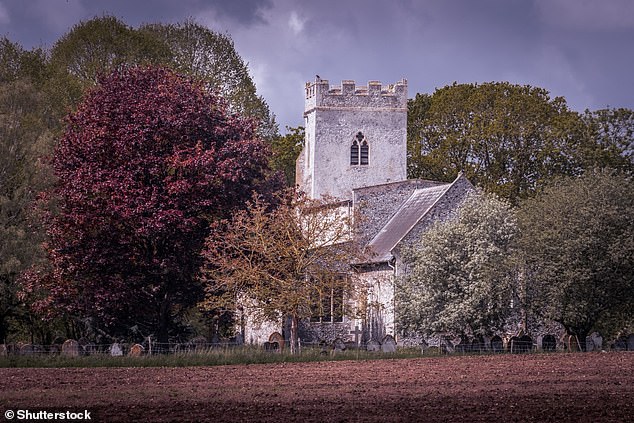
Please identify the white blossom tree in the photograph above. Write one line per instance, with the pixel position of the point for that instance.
(460, 278)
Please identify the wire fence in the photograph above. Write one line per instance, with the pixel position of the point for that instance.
(72, 348)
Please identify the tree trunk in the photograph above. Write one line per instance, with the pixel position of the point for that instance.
(294, 333)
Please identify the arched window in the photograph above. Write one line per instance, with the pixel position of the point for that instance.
(354, 153)
(365, 153)
(359, 151)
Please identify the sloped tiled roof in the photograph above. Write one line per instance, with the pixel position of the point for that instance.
(410, 212)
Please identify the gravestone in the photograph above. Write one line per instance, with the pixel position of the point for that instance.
(338, 345)
(373, 345)
(594, 342)
(389, 344)
(497, 345)
(86, 346)
(277, 337)
(70, 348)
(116, 350)
(630, 342)
(3, 350)
(239, 339)
(549, 343)
(620, 344)
(136, 350)
(573, 343)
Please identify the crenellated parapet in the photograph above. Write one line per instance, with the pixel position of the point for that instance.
(320, 94)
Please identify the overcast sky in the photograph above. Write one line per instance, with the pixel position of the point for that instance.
(580, 49)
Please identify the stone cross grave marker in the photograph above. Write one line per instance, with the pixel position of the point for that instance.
(356, 332)
(70, 348)
(116, 350)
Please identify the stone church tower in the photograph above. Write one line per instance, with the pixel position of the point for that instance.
(355, 137)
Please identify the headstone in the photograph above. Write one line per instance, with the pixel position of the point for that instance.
(497, 345)
(630, 342)
(136, 350)
(620, 344)
(338, 345)
(277, 337)
(116, 350)
(86, 346)
(239, 339)
(477, 345)
(549, 343)
(3, 350)
(373, 345)
(389, 344)
(70, 348)
(594, 342)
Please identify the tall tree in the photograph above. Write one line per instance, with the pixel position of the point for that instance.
(24, 137)
(508, 139)
(285, 151)
(147, 160)
(95, 48)
(211, 57)
(277, 261)
(461, 279)
(578, 243)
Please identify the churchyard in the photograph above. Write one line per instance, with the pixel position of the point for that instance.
(580, 387)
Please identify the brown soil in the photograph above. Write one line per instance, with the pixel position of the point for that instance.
(591, 387)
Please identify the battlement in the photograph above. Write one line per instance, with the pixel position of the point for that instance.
(320, 94)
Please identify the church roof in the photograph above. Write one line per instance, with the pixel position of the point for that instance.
(419, 203)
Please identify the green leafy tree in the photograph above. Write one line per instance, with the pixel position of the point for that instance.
(460, 278)
(95, 48)
(578, 243)
(277, 261)
(508, 139)
(24, 137)
(285, 151)
(611, 138)
(212, 58)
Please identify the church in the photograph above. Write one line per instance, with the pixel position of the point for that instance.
(355, 151)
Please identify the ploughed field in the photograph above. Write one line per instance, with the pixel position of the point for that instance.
(590, 387)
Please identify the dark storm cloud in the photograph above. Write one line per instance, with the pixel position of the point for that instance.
(579, 49)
